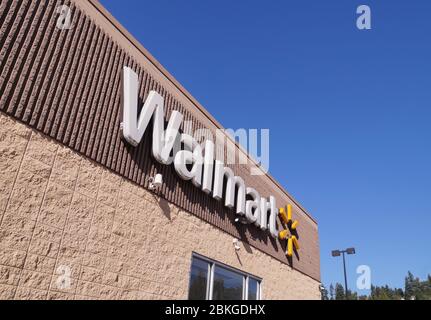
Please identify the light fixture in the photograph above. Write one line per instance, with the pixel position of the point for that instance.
(242, 220)
(336, 253)
(236, 244)
(156, 182)
(350, 251)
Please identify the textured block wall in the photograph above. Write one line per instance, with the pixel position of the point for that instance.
(60, 212)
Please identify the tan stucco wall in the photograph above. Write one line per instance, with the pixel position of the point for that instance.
(119, 240)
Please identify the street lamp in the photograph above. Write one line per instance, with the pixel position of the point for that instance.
(337, 253)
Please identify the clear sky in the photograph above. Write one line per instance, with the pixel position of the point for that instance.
(349, 111)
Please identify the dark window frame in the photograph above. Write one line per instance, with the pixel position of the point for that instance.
(211, 263)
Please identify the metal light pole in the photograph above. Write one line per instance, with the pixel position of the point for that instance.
(337, 253)
(345, 275)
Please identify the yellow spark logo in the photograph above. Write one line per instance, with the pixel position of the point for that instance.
(290, 231)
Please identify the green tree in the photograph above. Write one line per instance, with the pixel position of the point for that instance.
(424, 290)
(414, 289)
(409, 285)
(400, 293)
(352, 295)
(339, 292)
(331, 292)
(385, 293)
(324, 293)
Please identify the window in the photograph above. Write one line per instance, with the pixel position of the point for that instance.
(211, 280)
(227, 285)
(253, 289)
(198, 280)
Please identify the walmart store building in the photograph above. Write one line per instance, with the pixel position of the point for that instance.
(83, 214)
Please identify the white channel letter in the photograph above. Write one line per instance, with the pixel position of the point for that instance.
(270, 206)
(134, 128)
(219, 174)
(273, 218)
(252, 210)
(232, 182)
(191, 155)
(238, 184)
(264, 207)
(208, 166)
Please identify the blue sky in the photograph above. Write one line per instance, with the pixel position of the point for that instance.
(349, 111)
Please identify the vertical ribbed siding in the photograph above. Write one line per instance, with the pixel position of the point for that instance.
(67, 84)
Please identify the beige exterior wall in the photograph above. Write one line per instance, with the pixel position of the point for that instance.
(120, 241)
